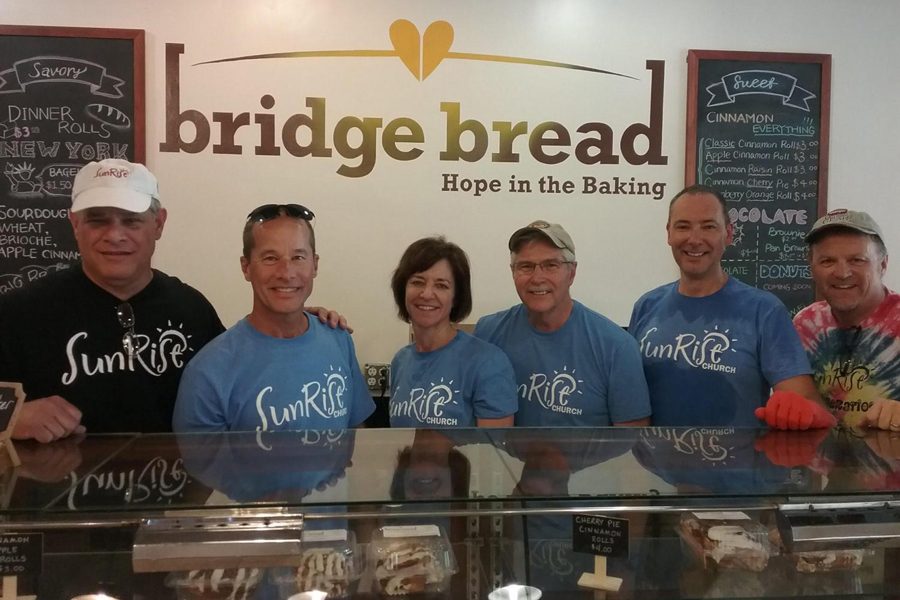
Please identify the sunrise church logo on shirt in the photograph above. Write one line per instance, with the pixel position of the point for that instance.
(317, 400)
(706, 352)
(710, 444)
(152, 356)
(427, 405)
(552, 392)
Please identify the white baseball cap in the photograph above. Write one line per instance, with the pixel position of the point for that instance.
(115, 183)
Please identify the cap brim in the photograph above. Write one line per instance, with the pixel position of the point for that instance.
(815, 232)
(125, 199)
(514, 238)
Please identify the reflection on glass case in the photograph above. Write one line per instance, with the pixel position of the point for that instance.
(473, 514)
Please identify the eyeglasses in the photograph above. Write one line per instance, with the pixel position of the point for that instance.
(125, 314)
(270, 211)
(550, 267)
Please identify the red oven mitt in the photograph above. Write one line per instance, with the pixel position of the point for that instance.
(790, 410)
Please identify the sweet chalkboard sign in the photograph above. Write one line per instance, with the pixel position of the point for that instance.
(757, 130)
(67, 96)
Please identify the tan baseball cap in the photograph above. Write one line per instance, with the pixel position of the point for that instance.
(850, 219)
(554, 232)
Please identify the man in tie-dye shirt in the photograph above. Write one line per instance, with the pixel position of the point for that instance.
(852, 337)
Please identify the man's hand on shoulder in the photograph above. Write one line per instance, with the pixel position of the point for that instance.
(331, 318)
(884, 414)
(47, 419)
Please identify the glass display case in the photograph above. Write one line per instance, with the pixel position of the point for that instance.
(468, 514)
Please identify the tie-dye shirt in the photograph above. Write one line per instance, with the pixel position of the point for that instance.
(853, 366)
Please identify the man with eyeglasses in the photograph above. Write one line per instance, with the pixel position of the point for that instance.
(852, 337)
(278, 368)
(101, 346)
(714, 347)
(574, 367)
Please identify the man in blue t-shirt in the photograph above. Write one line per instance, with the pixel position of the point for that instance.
(714, 347)
(573, 366)
(278, 368)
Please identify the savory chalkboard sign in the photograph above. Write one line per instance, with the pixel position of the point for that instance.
(757, 130)
(68, 95)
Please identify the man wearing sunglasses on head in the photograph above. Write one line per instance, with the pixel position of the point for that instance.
(279, 368)
(574, 367)
(101, 346)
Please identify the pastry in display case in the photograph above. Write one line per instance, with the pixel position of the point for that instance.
(411, 559)
(214, 584)
(818, 561)
(330, 563)
(730, 540)
(828, 560)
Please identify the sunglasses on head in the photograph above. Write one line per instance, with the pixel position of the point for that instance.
(270, 211)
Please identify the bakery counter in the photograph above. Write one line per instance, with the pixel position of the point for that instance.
(696, 513)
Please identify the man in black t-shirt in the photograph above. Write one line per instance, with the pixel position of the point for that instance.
(101, 346)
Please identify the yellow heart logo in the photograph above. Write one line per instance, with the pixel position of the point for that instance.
(421, 54)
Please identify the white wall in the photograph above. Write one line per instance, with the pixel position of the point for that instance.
(364, 223)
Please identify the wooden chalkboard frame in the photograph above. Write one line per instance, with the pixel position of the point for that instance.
(824, 62)
(137, 39)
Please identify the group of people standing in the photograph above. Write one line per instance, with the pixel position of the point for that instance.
(114, 345)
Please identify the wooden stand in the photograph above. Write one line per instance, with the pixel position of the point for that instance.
(8, 455)
(11, 589)
(11, 399)
(599, 580)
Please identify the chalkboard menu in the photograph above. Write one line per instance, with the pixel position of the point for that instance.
(67, 96)
(757, 130)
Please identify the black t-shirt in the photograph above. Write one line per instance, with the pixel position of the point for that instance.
(62, 336)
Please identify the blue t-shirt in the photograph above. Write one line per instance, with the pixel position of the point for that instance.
(453, 386)
(711, 361)
(586, 373)
(245, 380)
